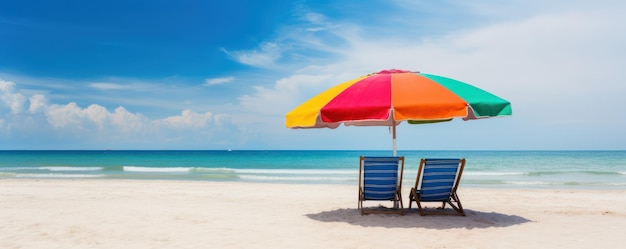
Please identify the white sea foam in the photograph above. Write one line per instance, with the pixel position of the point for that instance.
(18, 168)
(199, 169)
(240, 171)
(7, 174)
(298, 178)
(478, 173)
(297, 171)
(156, 170)
(616, 184)
(70, 168)
(530, 183)
(58, 175)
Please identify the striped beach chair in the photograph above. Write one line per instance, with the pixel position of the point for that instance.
(380, 179)
(437, 181)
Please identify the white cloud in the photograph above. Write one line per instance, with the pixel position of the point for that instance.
(187, 119)
(14, 101)
(108, 86)
(299, 45)
(127, 121)
(94, 117)
(38, 103)
(218, 81)
(71, 116)
(264, 57)
(285, 93)
(96, 125)
(60, 116)
(314, 18)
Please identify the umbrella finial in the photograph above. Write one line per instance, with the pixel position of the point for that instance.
(390, 71)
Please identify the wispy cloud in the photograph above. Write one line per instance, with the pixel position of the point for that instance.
(297, 45)
(218, 81)
(265, 56)
(285, 93)
(108, 86)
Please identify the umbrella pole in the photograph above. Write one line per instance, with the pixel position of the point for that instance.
(393, 132)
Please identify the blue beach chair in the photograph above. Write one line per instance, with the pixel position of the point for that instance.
(437, 181)
(380, 179)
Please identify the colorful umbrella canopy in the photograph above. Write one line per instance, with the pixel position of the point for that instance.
(389, 97)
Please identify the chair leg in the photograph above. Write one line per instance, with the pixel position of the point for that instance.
(360, 205)
(419, 207)
(399, 198)
(412, 197)
(458, 207)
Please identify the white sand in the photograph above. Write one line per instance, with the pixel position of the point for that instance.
(175, 214)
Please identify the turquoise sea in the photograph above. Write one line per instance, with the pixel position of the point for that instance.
(498, 169)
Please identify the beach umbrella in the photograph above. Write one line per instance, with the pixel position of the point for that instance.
(391, 96)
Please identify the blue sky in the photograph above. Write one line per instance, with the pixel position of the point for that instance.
(208, 75)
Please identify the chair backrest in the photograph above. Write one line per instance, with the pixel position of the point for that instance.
(380, 177)
(437, 179)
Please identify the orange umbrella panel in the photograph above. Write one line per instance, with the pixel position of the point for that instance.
(419, 98)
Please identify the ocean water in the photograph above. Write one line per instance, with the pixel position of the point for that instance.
(498, 169)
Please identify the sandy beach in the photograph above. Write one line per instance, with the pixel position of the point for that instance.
(188, 214)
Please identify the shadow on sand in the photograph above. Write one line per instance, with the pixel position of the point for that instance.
(412, 218)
